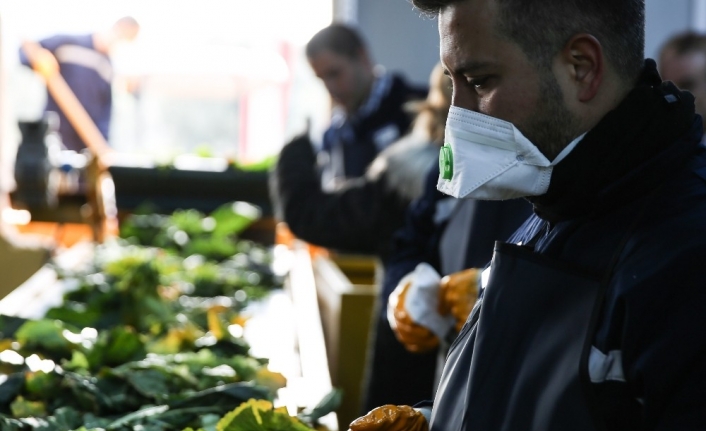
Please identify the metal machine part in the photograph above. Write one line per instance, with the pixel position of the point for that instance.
(37, 166)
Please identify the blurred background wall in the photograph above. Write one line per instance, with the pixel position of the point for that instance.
(402, 39)
(666, 17)
(228, 77)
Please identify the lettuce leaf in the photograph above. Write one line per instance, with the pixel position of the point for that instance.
(259, 415)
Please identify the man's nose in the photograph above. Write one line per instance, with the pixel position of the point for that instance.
(464, 99)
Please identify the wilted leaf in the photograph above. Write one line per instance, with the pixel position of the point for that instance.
(269, 379)
(22, 408)
(259, 415)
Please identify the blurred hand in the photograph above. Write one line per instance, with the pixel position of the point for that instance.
(42, 60)
(391, 418)
(458, 295)
(415, 338)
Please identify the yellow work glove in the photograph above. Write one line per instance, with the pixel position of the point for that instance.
(415, 338)
(458, 294)
(391, 418)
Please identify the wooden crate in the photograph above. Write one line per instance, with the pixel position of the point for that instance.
(347, 293)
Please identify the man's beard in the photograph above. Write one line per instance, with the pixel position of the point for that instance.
(552, 127)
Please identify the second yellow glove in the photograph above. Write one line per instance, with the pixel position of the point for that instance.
(458, 294)
(391, 418)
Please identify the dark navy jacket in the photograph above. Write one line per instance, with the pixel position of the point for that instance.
(638, 180)
(651, 340)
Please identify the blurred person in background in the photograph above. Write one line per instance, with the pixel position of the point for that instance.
(368, 112)
(682, 60)
(362, 213)
(84, 63)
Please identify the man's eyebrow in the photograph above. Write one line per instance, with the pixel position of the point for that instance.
(470, 67)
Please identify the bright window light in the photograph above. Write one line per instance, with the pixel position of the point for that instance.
(224, 77)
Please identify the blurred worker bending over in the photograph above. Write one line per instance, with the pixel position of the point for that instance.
(84, 63)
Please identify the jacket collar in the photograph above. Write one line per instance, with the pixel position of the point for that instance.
(633, 149)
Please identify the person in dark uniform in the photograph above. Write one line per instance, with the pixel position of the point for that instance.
(451, 236)
(362, 213)
(368, 112)
(586, 319)
(84, 63)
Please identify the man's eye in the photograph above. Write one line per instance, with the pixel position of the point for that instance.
(478, 83)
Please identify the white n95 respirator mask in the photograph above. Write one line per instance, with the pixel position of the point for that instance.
(488, 158)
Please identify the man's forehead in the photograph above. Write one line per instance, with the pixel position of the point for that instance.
(467, 15)
(469, 67)
(468, 36)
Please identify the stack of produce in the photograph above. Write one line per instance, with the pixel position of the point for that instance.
(150, 338)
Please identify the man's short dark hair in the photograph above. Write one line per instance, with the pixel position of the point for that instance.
(542, 27)
(337, 38)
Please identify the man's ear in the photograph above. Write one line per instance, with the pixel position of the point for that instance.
(583, 58)
(364, 58)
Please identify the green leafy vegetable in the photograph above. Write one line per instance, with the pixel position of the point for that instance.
(260, 415)
(148, 339)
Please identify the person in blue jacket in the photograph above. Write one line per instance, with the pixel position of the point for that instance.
(368, 112)
(363, 213)
(590, 315)
(84, 62)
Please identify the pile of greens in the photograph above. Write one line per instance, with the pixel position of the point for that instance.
(190, 232)
(149, 339)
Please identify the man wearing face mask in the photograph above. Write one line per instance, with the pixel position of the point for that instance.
(586, 317)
